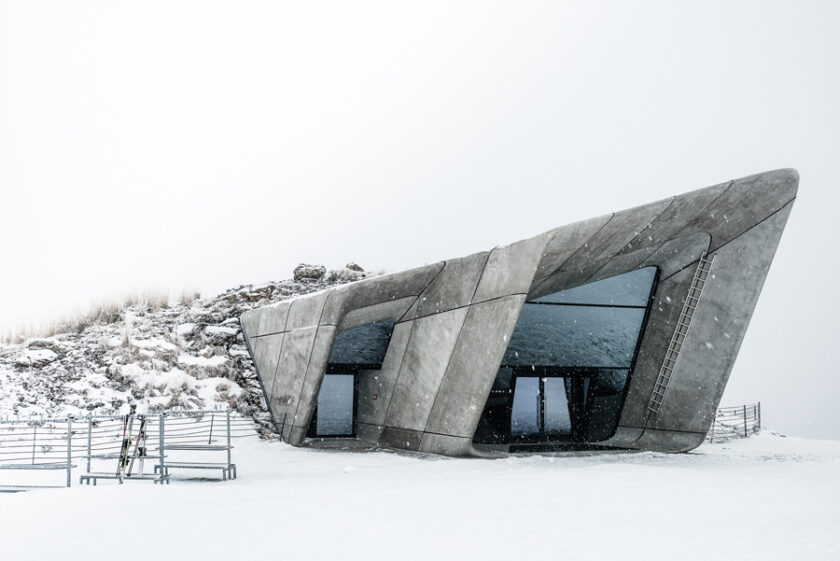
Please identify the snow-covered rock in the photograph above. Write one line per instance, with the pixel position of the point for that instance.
(309, 272)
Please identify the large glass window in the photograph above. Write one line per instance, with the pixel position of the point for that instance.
(560, 335)
(565, 372)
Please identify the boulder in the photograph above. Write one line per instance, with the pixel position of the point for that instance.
(309, 272)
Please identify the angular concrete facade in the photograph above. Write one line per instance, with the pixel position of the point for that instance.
(453, 321)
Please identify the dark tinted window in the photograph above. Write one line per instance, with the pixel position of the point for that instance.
(628, 289)
(574, 336)
(564, 374)
(365, 344)
(334, 415)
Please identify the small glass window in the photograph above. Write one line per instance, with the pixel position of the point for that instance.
(334, 416)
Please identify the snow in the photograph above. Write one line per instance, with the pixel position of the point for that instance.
(201, 360)
(153, 344)
(36, 357)
(765, 497)
(185, 328)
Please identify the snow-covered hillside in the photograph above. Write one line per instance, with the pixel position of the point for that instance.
(190, 355)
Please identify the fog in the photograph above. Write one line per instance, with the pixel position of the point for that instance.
(161, 145)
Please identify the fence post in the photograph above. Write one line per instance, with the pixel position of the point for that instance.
(745, 420)
(228, 440)
(160, 446)
(69, 448)
(90, 430)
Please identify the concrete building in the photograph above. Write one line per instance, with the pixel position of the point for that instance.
(619, 331)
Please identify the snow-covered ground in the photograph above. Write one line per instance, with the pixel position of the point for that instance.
(765, 497)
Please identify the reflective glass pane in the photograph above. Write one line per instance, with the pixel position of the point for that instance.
(574, 336)
(557, 419)
(494, 425)
(365, 344)
(334, 415)
(627, 289)
(605, 398)
(524, 417)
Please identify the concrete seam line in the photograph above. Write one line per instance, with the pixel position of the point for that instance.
(571, 255)
(652, 220)
(711, 251)
(408, 342)
(457, 339)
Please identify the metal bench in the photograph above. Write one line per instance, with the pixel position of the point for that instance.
(228, 470)
(88, 477)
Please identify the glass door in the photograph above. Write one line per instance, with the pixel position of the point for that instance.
(540, 410)
(557, 420)
(526, 414)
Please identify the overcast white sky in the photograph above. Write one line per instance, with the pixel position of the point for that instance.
(161, 145)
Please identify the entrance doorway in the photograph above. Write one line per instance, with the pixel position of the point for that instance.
(542, 410)
(335, 413)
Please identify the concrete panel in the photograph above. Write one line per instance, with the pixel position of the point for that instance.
(291, 371)
(454, 287)
(564, 242)
(670, 257)
(369, 388)
(266, 355)
(673, 219)
(390, 309)
(411, 313)
(308, 397)
(367, 432)
(273, 318)
(669, 441)
(473, 366)
(662, 321)
(306, 310)
(403, 439)
(747, 202)
(449, 445)
(386, 377)
(426, 358)
(718, 327)
(376, 290)
(599, 249)
(679, 253)
(624, 437)
(250, 322)
(649, 241)
(511, 269)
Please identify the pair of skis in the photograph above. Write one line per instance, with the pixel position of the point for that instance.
(126, 458)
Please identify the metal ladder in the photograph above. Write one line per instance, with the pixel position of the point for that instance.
(678, 338)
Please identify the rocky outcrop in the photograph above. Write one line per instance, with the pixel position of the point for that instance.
(190, 355)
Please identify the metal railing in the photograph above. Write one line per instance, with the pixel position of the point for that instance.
(94, 442)
(735, 422)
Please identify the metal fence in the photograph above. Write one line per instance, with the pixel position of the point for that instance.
(43, 452)
(735, 422)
